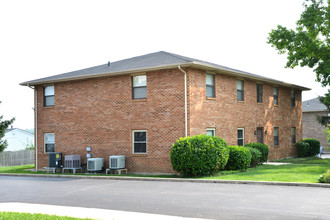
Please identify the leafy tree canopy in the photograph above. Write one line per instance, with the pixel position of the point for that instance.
(308, 44)
(4, 124)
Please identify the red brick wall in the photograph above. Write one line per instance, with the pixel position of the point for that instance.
(226, 114)
(313, 129)
(101, 113)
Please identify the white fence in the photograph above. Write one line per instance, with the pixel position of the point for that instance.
(16, 158)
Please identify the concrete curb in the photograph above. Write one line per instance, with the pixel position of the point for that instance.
(321, 185)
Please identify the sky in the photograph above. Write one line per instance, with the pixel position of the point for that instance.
(44, 38)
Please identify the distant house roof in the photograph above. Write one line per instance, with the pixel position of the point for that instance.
(313, 105)
(149, 62)
(18, 129)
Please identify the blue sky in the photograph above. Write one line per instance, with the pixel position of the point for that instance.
(43, 38)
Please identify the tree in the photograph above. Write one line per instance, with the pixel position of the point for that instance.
(4, 124)
(308, 45)
(324, 120)
(327, 133)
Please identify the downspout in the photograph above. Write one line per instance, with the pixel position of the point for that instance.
(185, 101)
(35, 125)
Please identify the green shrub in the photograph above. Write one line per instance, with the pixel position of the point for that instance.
(325, 178)
(314, 146)
(239, 158)
(302, 148)
(199, 155)
(263, 148)
(255, 156)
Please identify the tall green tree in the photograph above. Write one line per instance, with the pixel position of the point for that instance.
(4, 124)
(308, 44)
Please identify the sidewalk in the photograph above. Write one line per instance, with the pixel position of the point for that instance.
(79, 212)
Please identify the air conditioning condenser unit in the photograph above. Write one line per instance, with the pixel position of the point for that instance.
(95, 164)
(117, 162)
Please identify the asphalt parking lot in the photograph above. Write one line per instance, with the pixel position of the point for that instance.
(184, 199)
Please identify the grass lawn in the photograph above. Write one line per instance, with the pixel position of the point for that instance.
(306, 160)
(306, 170)
(282, 173)
(16, 169)
(28, 216)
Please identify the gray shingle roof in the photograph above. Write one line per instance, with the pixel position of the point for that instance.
(149, 62)
(313, 105)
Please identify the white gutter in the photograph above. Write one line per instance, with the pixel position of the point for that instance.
(185, 101)
(35, 125)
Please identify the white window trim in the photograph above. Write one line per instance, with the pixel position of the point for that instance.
(240, 138)
(133, 141)
(210, 73)
(45, 142)
(44, 95)
(240, 90)
(139, 74)
(211, 129)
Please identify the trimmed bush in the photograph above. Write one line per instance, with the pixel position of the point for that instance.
(255, 156)
(263, 148)
(314, 146)
(325, 178)
(239, 158)
(199, 155)
(302, 148)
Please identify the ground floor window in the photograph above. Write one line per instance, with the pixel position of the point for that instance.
(276, 135)
(139, 142)
(49, 142)
(240, 136)
(210, 132)
(293, 135)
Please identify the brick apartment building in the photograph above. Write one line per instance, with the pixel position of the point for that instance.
(311, 127)
(139, 107)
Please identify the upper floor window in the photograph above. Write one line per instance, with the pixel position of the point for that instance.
(210, 91)
(210, 132)
(240, 90)
(293, 135)
(293, 98)
(49, 142)
(139, 142)
(276, 134)
(139, 87)
(275, 96)
(240, 136)
(48, 95)
(259, 93)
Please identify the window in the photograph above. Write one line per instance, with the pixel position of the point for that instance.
(275, 96)
(210, 132)
(240, 90)
(276, 141)
(49, 142)
(240, 136)
(48, 95)
(139, 142)
(210, 85)
(139, 87)
(259, 93)
(293, 135)
(293, 98)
